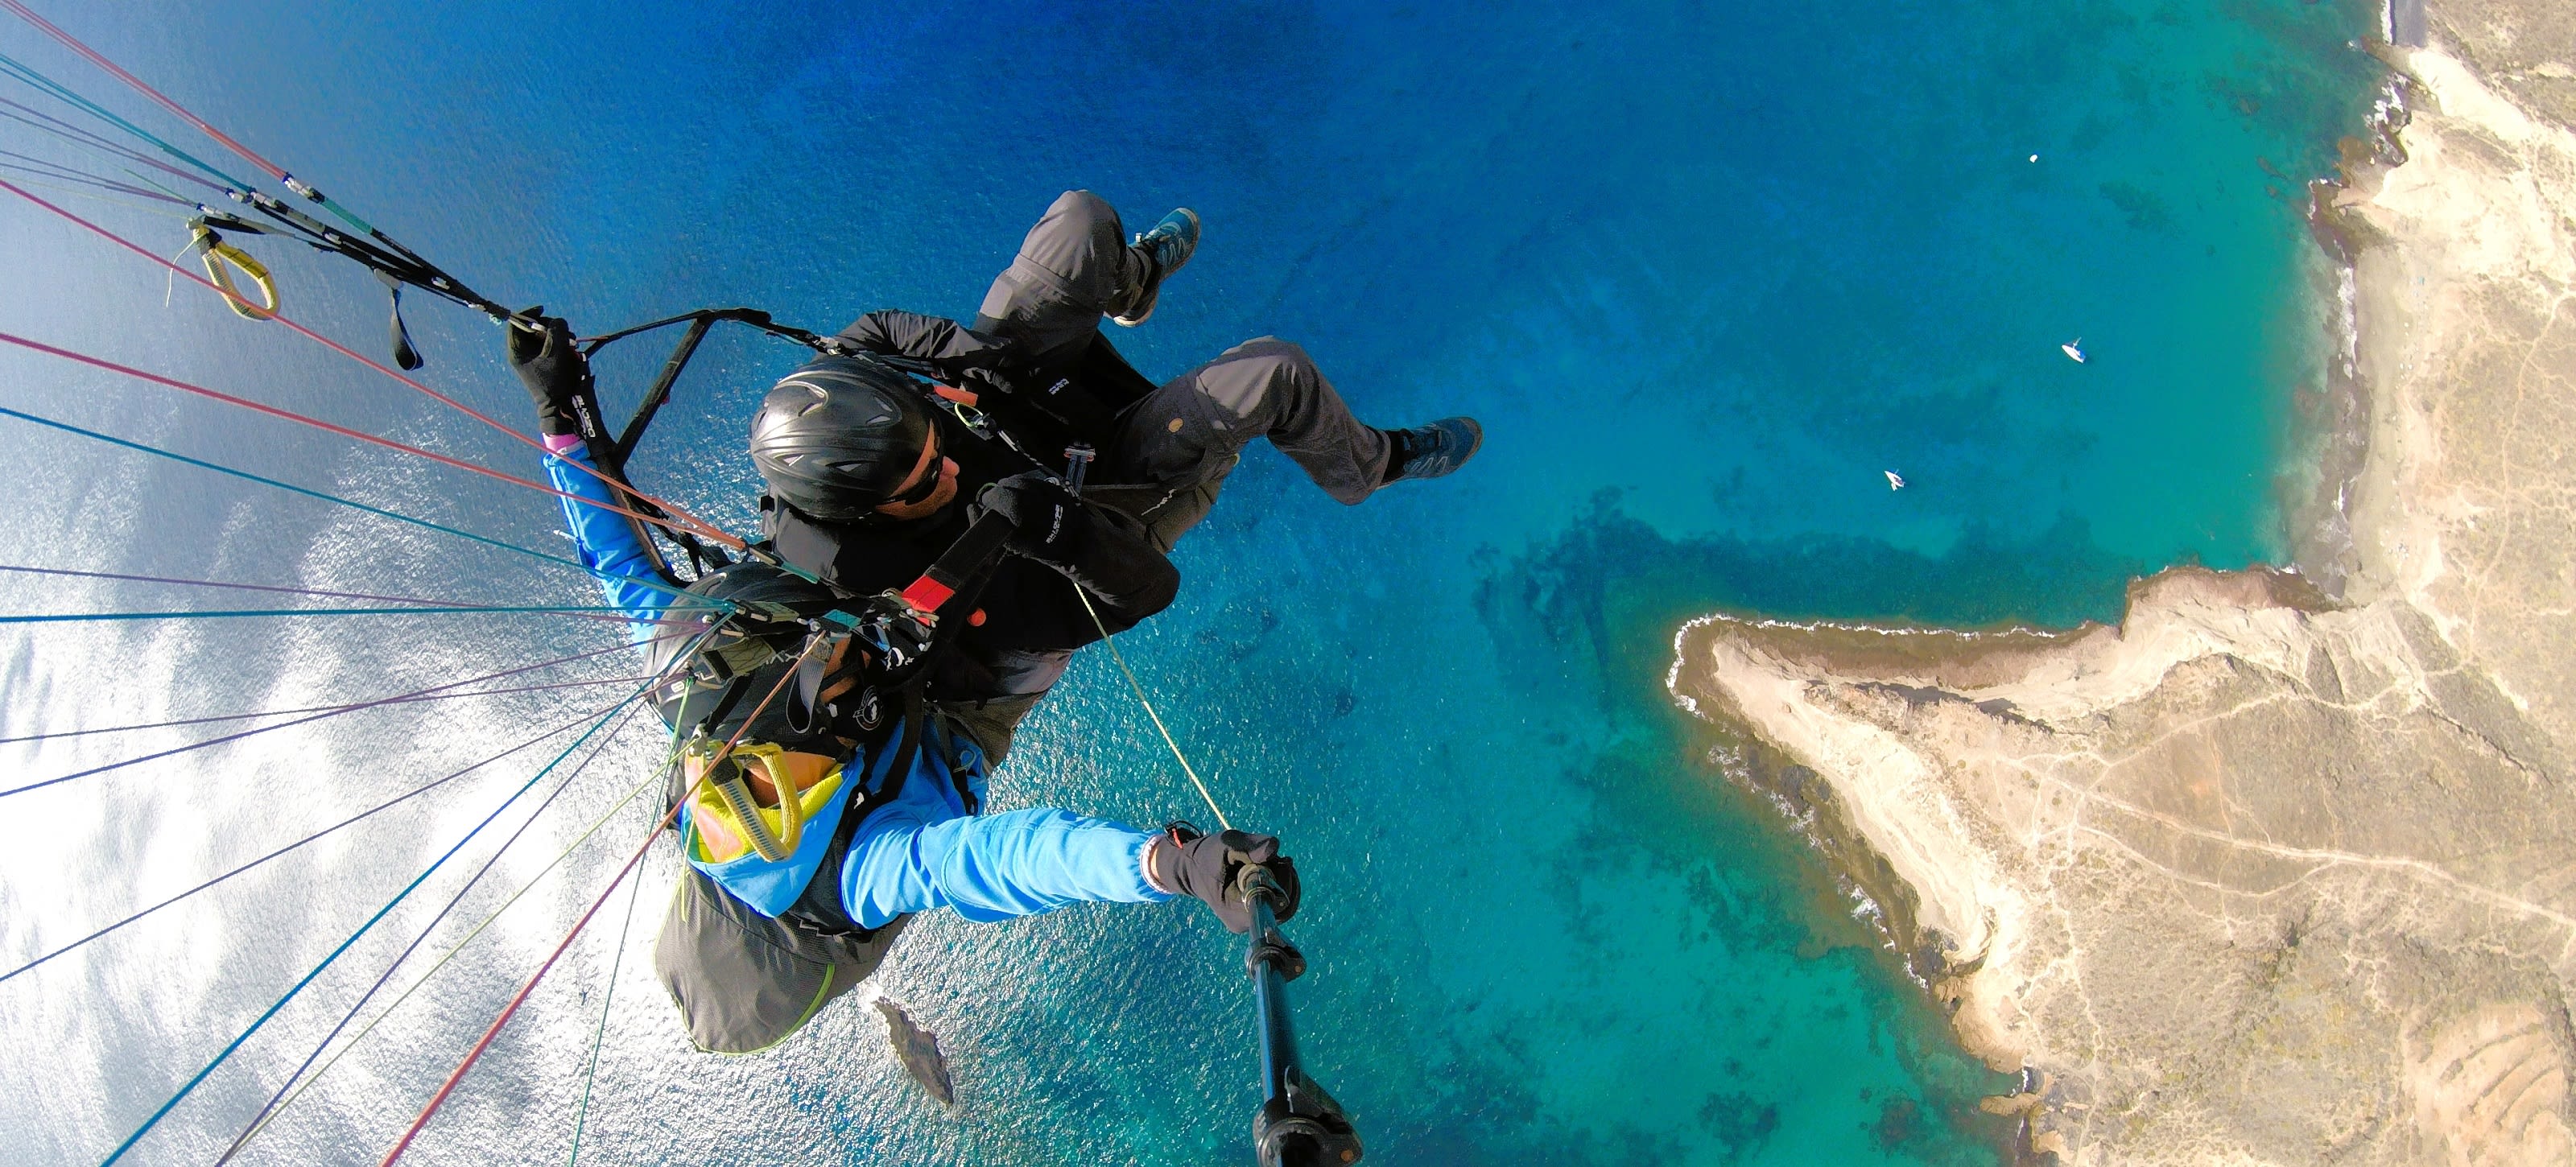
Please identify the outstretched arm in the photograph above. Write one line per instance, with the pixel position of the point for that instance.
(992, 867)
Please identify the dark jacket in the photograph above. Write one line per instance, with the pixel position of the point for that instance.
(1029, 608)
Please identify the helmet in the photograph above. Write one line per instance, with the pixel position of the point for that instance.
(725, 675)
(836, 437)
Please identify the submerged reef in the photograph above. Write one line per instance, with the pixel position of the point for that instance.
(2262, 873)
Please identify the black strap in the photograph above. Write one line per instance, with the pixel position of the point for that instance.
(819, 906)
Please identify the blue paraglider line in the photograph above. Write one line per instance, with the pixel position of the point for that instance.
(319, 968)
(655, 584)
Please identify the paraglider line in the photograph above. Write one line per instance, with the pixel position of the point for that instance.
(315, 422)
(435, 919)
(208, 583)
(1139, 688)
(677, 515)
(318, 969)
(352, 820)
(117, 71)
(42, 168)
(454, 949)
(508, 1011)
(343, 708)
(156, 451)
(599, 1037)
(63, 129)
(64, 94)
(236, 613)
(234, 737)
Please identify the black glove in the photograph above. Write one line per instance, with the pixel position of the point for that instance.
(1205, 866)
(1050, 524)
(556, 374)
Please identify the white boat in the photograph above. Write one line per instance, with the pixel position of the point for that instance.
(2072, 351)
(1894, 481)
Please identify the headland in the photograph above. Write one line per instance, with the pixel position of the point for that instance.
(2282, 867)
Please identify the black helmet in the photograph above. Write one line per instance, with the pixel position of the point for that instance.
(836, 437)
(727, 674)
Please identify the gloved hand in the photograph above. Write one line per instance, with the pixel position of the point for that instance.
(1205, 866)
(1050, 524)
(556, 374)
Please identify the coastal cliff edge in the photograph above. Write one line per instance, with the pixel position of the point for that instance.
(2263, 875)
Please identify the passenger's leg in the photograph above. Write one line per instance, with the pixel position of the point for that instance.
(992, 722)
(1018, 679)
(1188, 434)
(1071, 269)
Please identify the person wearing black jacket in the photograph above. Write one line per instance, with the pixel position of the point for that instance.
(864, 477)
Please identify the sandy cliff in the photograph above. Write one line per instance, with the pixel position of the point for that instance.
(2259, 876)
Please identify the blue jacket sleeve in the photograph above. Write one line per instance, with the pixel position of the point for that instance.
(994, 867)
(609, 546)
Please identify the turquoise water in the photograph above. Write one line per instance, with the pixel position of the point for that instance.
(1704, 275)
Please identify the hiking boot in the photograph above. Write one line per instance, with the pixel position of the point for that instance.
(1158, 253)
(1429, 451)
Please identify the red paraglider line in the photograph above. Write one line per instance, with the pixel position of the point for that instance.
(678, 516)
(315, 422)
(92, 55)
(512, 1009)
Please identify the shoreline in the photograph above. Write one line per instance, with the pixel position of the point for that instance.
(2277, 867)
(2334, 449)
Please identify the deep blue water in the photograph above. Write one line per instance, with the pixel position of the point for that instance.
(1703, 273)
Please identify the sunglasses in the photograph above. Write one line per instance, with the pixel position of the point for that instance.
(931, 473)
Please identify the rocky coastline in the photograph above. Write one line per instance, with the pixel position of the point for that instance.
(2282, 867)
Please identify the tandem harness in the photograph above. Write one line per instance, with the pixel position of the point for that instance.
(756, 939)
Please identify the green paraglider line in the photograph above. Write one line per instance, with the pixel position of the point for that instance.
(581, 1112)
(436, 918)
(352, 820)
(454, 949)
(343, 707)
(59, 128)
(318, 969)
(65, 94)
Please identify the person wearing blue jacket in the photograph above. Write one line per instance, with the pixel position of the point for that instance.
(832, 818)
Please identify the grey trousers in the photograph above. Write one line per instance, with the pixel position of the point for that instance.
(1176, 446)
(1185, 437)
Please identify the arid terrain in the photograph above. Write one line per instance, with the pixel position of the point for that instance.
(2266, 874)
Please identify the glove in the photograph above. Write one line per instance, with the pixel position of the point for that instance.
(1205, 866)
(556, 374)
(1050, 524)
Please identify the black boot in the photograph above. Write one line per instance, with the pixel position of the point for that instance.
(1154, 255)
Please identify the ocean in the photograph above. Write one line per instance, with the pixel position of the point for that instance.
(1707, 275)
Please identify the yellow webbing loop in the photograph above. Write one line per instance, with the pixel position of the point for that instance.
(220, 259)
(727, 821)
